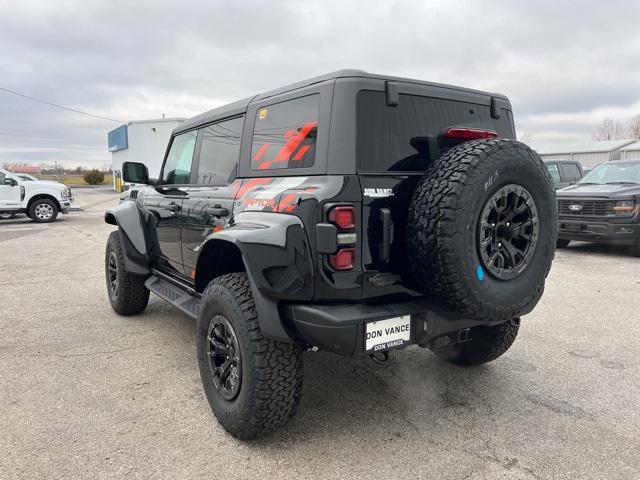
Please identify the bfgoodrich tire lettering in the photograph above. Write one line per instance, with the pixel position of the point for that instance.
(271, 372)
(444, 221)
(127, 293)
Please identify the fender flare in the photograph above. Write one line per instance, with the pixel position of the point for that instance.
(277, 258)
(133, 227)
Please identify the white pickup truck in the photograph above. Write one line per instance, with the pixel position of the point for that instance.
(41, 200)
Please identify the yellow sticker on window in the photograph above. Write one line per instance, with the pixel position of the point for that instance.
(262, 114)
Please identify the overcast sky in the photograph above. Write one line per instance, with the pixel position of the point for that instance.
(564, 64)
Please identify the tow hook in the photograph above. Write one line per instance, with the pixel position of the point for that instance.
(464, 335)
(379, 357)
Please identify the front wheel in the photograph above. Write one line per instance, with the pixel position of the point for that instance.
(43, 210)
(486, 344)
(127, 293)
(253, 384)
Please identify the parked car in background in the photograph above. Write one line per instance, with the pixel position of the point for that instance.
(41, 200)
(564, 172)
(603, 207)
(25, 177)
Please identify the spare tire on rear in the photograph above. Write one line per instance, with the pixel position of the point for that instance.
(482, 229)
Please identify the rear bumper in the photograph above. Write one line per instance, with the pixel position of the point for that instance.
(341, 328)
(598, 231)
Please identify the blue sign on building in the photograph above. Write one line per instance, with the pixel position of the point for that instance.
(118, 139)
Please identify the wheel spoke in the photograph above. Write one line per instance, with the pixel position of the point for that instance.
(219, 348)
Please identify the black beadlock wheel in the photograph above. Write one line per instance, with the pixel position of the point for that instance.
(253, 384)
(127, 293)
(482, 228)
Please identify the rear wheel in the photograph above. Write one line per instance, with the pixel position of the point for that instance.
(7, 215)
(486, 344)
(482, 229)
(43, 210)
(127, 293)
(253, 384)
(562, 243)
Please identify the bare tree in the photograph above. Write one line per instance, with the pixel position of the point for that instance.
(522, 134)
(610, 129)
(634, 127)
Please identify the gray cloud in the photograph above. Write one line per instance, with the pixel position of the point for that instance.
(565, 65)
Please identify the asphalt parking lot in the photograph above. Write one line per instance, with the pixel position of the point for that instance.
(85, 393)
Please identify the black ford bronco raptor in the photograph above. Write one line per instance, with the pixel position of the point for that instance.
(352, 213)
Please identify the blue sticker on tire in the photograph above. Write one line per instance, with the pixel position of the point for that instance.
(480, 273)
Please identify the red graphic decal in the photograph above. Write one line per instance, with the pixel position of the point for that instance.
(294, 142)
(288, 203)
(301, 152)
(251, 184)
(260, 152)
(259, 202)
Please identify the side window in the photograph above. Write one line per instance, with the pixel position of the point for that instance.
(552, 168)
(570, 172)
(177, 168)
(220, 151)
(3, 177)
(285, 134)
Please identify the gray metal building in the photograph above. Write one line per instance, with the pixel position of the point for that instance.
(631, 152)
(141, 141)
(589, 154)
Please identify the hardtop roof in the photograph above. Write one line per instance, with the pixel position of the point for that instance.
(240, 106)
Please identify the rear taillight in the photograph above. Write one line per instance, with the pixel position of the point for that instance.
(343, 217)
(469, 133)
(343, 259)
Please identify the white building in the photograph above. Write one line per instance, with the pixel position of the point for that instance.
(142, 141)
(589, 154)
(631, 152)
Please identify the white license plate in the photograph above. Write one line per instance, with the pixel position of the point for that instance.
(389, 333)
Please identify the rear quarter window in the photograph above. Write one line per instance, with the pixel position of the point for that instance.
(405, 138)
(285, 134)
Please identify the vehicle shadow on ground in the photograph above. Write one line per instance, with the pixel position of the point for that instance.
(576, 248)
(415, 394)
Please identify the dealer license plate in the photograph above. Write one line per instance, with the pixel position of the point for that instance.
(389, 333)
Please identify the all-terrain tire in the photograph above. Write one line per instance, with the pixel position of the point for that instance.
(127, 293)
(486, 344)
(271, 379)
(444, 221)
(560, 243)
(43, 210)
(7, 216)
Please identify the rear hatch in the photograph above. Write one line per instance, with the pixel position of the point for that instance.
(395, 145)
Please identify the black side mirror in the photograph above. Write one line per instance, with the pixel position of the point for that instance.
(11, 182)
(135, 172)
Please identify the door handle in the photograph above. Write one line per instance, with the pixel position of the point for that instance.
(174, 207)
(217, 211)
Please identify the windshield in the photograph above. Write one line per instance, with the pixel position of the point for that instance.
(613, 173)
(27, 178)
